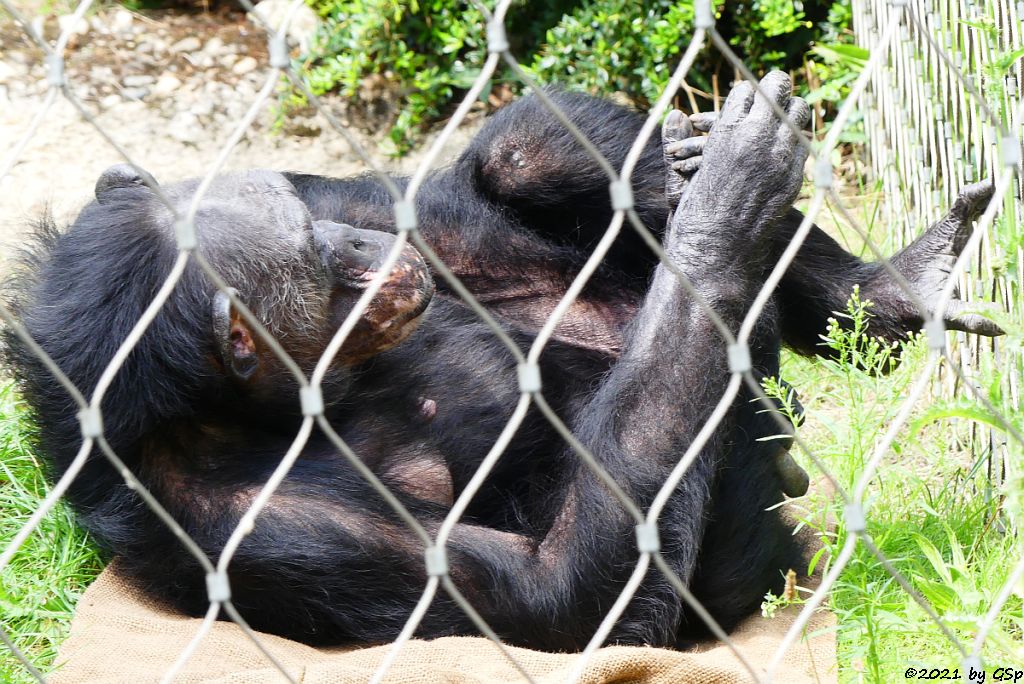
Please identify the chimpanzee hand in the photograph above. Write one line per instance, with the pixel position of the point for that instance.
(926, 264)
(751, 167)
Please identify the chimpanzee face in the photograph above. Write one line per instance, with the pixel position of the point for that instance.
(300, 278)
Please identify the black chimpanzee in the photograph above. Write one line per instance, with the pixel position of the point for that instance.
(202, 411)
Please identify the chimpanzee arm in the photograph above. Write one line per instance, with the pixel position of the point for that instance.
(821, 278)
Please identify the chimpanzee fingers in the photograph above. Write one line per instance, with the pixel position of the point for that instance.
(704, 121)
(776, 88)
(964, 316)
(736, 106)
(688, 167)
(684, 149)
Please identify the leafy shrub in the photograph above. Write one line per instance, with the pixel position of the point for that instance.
(403, 64)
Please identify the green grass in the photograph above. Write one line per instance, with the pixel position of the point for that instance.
(40, 587)
(930, 511)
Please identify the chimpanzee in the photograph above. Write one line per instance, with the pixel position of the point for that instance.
(202, 411)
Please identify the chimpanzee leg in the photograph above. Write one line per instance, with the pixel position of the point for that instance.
(718, 235)
(525, 160)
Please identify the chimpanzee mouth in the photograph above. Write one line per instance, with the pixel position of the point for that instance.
(420, 308)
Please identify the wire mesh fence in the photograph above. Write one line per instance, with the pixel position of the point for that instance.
(928, 116)
(913, 45)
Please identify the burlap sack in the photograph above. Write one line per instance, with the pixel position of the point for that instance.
(121, 635)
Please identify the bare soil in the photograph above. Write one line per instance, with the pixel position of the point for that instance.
(169, 88)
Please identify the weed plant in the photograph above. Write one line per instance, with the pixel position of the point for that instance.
(931, 509)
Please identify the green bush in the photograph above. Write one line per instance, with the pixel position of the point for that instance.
(403, 64)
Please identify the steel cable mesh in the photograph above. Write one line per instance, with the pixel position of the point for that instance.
(891, 20)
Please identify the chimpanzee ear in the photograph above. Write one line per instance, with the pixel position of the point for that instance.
(234, 338)
(121, 176)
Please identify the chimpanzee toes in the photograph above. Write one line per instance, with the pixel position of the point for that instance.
(676, 128)
(685, 149)
(688, 167)
(704, 121)
(737, 105)
(775, 88)
(799, 112)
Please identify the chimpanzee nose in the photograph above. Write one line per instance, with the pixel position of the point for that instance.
(351, 250)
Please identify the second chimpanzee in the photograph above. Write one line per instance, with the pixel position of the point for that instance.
(202, 410)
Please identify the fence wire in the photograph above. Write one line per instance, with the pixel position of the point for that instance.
(911, 80)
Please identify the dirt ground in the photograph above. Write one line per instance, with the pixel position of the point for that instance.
(169, 89)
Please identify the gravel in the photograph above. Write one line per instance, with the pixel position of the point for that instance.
(168, 88)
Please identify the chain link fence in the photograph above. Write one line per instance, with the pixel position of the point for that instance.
(929, 112)
(913, 45)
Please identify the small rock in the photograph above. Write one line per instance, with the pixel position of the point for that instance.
(303, 25)
(228, 60)
(185, 127)
(200, 60)
(110, 101)
(135, 93)
(131, 109)
(245, 91)
(98, 74)
(122, 21)
(244, 66)
(214, 46)
(201, 108)
(166, 84)
(303, 126)
(235, 110)
(6, 72)
(64, 22)
(190, 44)
(137, 80)
(159, 44)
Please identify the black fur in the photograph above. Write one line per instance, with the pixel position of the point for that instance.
(544, 549)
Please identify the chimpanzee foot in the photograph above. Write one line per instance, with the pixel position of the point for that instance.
(928, 261)
(682, 152)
